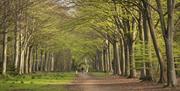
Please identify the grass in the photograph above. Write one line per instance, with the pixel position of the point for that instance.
(36, 82)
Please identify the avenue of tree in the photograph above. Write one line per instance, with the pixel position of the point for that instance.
(130, 38)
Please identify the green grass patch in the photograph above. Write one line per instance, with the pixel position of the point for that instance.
(36, 82)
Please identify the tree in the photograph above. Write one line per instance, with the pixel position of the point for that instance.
(5, 34)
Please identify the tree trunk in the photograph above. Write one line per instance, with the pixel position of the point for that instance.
(41, 61)
(147, 48)
(37, 60)
(21, 66)
(30, 61)
(155, 44)
(16, 48)
(131, 43)
(22, 54)
(52, 62)
(132, 61)
(104, 60)
(16, 36)
(27, 61)
(107, 59)
(45, 61)
(126, 52)
(171, 73)
(34, 60)
(144, 23)
(5, 35)
(116, 59)
(49, 63)
(97, 60)
(4, 55)
(109, 56)
(122, 60)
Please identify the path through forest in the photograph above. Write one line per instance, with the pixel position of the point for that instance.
(87, 82)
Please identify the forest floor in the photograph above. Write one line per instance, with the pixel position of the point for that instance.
(87, 82)
(80, 82)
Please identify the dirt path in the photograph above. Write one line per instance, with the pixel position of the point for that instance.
(90, 83)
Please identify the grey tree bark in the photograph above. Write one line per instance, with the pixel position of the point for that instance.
(154, 40)
(5, 35)
(171, 73)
